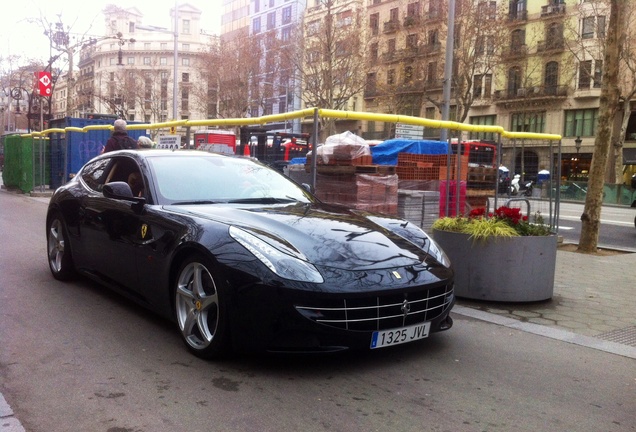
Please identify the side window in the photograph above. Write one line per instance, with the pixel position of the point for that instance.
(94, 174)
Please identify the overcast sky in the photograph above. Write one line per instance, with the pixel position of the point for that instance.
(19, 37)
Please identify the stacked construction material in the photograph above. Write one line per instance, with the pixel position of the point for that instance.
(430, 167)
(419, 207)
(377, 193)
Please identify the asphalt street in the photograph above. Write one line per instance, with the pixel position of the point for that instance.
(77, 358)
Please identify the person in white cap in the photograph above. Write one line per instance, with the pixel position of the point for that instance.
(120, 139)
(143, 142)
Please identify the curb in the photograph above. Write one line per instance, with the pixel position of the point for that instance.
(8, 423)
(553, 333)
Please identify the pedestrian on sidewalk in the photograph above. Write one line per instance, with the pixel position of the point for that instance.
(120, 139)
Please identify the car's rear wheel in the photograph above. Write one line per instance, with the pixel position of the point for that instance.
(200, 308)
(58, 248)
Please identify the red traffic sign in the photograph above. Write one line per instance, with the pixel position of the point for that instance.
(44, 83)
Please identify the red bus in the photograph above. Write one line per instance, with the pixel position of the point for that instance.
(480, 153)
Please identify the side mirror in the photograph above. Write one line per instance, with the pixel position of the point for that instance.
(121, 190)
(307, 187)
(117, 190)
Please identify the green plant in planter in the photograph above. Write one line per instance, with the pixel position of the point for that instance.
(504, 222)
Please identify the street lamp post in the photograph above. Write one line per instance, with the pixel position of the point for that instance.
(175, 35)
(577, 145)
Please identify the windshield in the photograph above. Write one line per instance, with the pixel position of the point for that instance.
(209, 179)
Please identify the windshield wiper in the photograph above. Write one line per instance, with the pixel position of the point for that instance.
(195, 202)
(263, 200)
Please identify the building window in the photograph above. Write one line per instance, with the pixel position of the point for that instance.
(477, 89)
(393, 15)
(374, 23)
(163, 61)
(527, 122)
(131, 27)
(186, 26)
(285, 34)
(287, 15)
(518, 39)
(146, 45)
(113, 61)
(411, 41)
(514, 81)
(408, 74)
(390, 76)
(130, 60)
(517, 9)
(185, 77)
(313, 27)
(185, 47)
(371, 83)
(487, 120)
(431, 73)
(184, 99)
(256, 25)
(373, 52)
(598, 73)
(551, 77)
(391, 46)
(585, 74)
(257, 6)
(185, 61)
(271, 20)
(580, 122)
(164, 46)
(146, 61)
(345, 18)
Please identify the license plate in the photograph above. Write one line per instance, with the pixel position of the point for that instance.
(381, 339)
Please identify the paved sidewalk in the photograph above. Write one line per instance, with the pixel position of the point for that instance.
(594, 304)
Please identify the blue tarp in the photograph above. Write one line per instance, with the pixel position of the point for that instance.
(386, 153)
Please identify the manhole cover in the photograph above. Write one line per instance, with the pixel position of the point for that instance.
(626, 336)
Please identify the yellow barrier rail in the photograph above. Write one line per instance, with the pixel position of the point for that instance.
(309, 112)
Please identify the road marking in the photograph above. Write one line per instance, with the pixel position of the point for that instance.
(603, 221)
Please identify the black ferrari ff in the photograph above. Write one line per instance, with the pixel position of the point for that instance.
(244, 259)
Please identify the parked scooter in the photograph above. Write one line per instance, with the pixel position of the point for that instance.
(516, 188)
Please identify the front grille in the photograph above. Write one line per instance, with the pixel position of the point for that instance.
(381, 312)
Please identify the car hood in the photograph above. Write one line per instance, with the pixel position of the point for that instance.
(324, 235)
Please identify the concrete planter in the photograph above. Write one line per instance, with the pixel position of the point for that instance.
(515, 269)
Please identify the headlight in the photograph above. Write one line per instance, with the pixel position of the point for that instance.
(438, 253)
(284, 265)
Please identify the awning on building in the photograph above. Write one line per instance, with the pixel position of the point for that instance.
(629, 156)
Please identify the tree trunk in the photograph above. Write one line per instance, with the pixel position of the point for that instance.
(591, 217)
(618, 148)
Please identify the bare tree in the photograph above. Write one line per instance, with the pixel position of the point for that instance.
(626, 83)
(609, 101)
(332, 61)
(225, 73)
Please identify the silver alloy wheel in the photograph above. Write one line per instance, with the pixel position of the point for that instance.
(197, 305)
(56, 243)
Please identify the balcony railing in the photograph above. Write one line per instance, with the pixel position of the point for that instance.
(532, 92)
(411, 20)
(553, 45)
(514, 52)
(391, 26)
(551, 10)
(518, 16)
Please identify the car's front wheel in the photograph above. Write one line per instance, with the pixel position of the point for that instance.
(58, 248)
(200, 308)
